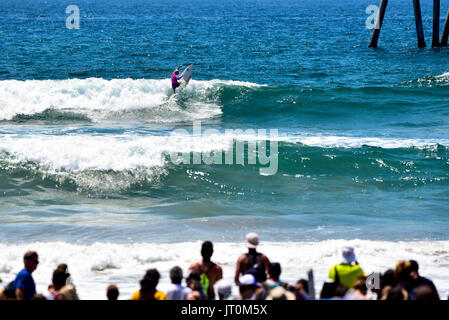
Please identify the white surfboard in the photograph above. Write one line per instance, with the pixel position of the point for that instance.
(187, 74)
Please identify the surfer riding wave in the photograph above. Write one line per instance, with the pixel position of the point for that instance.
(175, 78)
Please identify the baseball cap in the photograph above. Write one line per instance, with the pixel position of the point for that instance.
(248, 280)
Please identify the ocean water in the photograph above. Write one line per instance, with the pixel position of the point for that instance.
(89, 127)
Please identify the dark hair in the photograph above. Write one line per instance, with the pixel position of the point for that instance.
(389, 279)
(30, 255)
(59, 277)
(63, 267)
(150, 280)
(194, 275)
(176, 275)
(360, 284)
(425, 293)
(396, 294)
(414, 265)
(305, 284)
(195, 281)
(207, 249)
(112, 292)
(274, 270)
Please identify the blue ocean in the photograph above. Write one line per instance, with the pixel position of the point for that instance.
(89, 125)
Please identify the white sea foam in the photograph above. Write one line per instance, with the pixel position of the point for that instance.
(95, 266)
(97, 98)
(76, 153)
(355, 142)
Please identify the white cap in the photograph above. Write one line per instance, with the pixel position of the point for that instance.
(248, 280)
(252, 240)
(348, 254)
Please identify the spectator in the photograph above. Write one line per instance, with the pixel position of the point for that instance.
(273, 281)
(68, 292)
(247, 288)
(333, 291)
(253, 262)
(194, 283)
(417, 281)
(112, 292)
(387, 281)
(396, 293)
(348, 271)
(425, 293)
(359, 291)
(224, 291)
(279, 293)
(23, 285)
(58, 282)
(209, 271)
(176, 290)
(301, 290)
(148, 286)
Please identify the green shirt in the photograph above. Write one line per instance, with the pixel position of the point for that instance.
(347, 273)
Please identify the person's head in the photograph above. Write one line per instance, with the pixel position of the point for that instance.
(402, 272)
(348, 254)
(112, 292)
(425, 293)
(388, 279)
(224, 290)
(360, 285)
(176, 275)
(39, 297)
(274, 270)
(279, 293)
(193, 281)
(301, 289)
(63, 267)
(176, 71)
(302, 286)
(414, 269)
(248, 286)
(331, 290)
(59, 278)
(31, 260)
(252, 240)
(149, 281)
(207, 249)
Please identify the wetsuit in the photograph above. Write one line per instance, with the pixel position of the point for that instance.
(174, 80)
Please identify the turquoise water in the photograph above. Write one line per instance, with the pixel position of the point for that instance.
(87, 122)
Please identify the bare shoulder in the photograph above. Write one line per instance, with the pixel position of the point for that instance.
(242, 258)
(265, 258)
(194, 266)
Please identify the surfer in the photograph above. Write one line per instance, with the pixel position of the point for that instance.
(175, 78)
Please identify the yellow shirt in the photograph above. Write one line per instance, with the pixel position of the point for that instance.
(347, 273)
(159, 295)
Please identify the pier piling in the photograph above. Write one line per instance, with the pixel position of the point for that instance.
(445, 31)
(418, 21)
(436, 24)
(378, 25)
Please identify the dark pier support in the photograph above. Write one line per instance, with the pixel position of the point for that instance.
(436, 24)
(378, 25)
(418, 21)
(445, 31)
